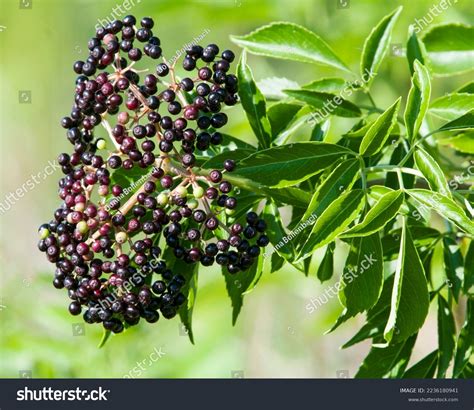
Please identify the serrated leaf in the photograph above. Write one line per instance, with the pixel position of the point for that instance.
(446, 336)
(466, 88)
(190, 273)
(415, 49)
(105, 337)
(465, 341)
(325, 85)
(291, 164)
(463, 142)
(379, 131)
(464, 122)
(253, 103)
(445, 207)
(239, 284)
(382, 361)
(276, 262)
(450, 48)
(410, 298)
(468, 284)
(376, 45)
(217, 161)
(338, 216)
(341, 179)
(281, 115)
(272, 87)
(276, 232)
(378, 216)
(453, 265)
(376, 317)
(424, 369)
(418, 100)
(452, 106)
(326, 268)
(289, 41)
(329, 104)
(362, 279)
(432, 172)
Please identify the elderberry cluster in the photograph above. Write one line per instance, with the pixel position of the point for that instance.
(109, 241)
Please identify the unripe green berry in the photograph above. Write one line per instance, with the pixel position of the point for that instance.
(180, 191)
(162, 198)
(101, 144)
(121, 237)
(192, 204)
(198, 192)
(229, 211)
(43, 232)
(82, 227)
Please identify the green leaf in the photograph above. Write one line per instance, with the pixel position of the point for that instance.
(468, 285)
(382, 361)
(329, 104)
(383, 211)
(362, 279)
(281, 115)
(466, 121)
(338, 216)
(243, 282)
(276, 232)
(410, 298)
(190, 273)
(289, 41)
(418, 100)
(453, 265)
(376, 317)
(424, 369)
(341, 179)
(253, 103)
(452, 106)
(465, 342)
(462, 142)
(105, 337)
(291, 164)
(325, 85)
(376, 46)
(450, 48)
(415, 49)
(326, 268)
(217, 162)
(446, 336)
(466, 88)
(234, 143)
(379, 131)
(432, 172)
(445, 207)
(272, 87)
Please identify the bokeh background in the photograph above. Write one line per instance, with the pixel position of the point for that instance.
(275, 335)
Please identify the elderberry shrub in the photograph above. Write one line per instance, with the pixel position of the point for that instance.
(113, 253)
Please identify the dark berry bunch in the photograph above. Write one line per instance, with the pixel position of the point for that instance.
(108, 241)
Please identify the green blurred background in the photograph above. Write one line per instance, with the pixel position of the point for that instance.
(275, 335)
